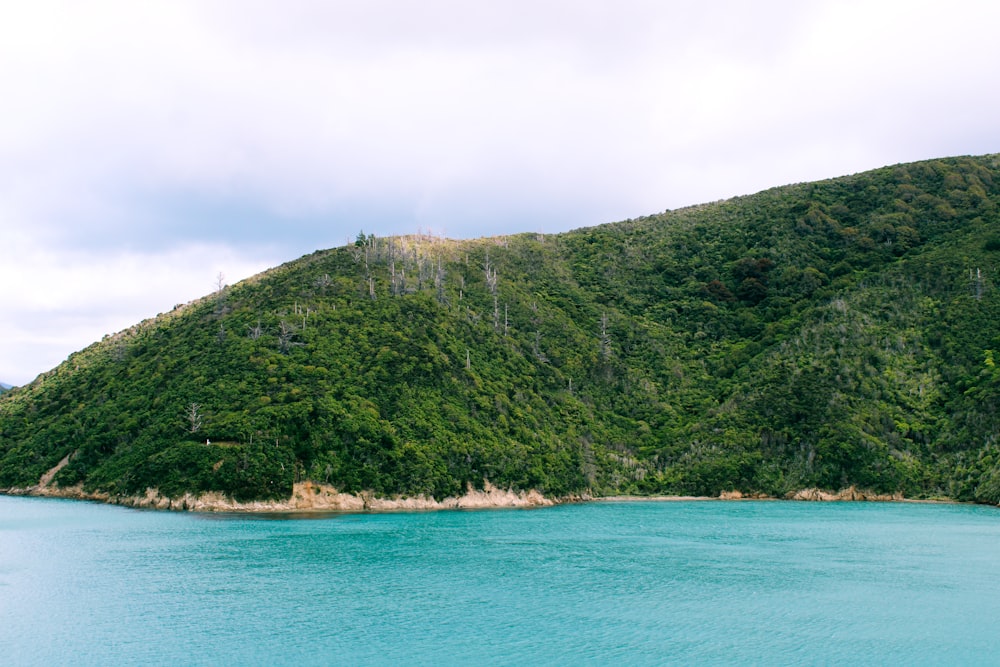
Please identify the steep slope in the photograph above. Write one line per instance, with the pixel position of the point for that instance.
(818, 335)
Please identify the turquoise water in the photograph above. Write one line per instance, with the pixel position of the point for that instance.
(605, 583)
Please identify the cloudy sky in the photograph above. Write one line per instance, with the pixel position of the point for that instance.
(145, 147)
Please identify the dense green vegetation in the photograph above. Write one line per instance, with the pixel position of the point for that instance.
(816, 335)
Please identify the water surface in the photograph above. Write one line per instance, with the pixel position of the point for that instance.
(628, 583)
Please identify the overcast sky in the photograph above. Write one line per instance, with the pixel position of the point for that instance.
(147, 146)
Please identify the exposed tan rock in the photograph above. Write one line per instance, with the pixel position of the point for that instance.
(49, 474)
(310, 496)
(850, 493)
(306, 497)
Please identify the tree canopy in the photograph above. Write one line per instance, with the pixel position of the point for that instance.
(825, 334)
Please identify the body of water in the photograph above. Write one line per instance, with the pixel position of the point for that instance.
(633, 583)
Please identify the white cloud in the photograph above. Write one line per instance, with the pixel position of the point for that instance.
(144, 127)
(61, 301)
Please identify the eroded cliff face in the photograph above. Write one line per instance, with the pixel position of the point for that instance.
(314, 497)
(850, 493)
(306, 497)
(311, 496)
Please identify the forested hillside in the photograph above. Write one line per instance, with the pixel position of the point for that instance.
(816, 335)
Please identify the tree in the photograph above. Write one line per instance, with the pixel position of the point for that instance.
(286, 332)
(605, 339)
(193, 415)
(752, 291)
(751, 277)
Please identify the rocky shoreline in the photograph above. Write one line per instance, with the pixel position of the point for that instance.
(314, 497)
(311, 496)
(306, 497)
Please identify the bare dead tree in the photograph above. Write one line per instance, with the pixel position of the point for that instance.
(605, 339)
(536, 348)
(488, 269)
(977, 284)
(220, 294)
(491, 281)
(193, 414)
(439, 281)
(286, 333)
(391, 250)
(255, 331)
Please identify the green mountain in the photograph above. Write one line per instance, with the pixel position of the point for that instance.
(819, 335)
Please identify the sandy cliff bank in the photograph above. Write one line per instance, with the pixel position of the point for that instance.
(306, 497)
(850, 493)
(314, 497)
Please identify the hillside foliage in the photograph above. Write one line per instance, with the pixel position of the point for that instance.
(825, 334)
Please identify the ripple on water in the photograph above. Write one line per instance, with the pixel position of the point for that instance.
(631, 583)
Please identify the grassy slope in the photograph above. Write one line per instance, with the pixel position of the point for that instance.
(822, 334)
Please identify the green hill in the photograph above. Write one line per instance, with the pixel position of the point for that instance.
(820, 335)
